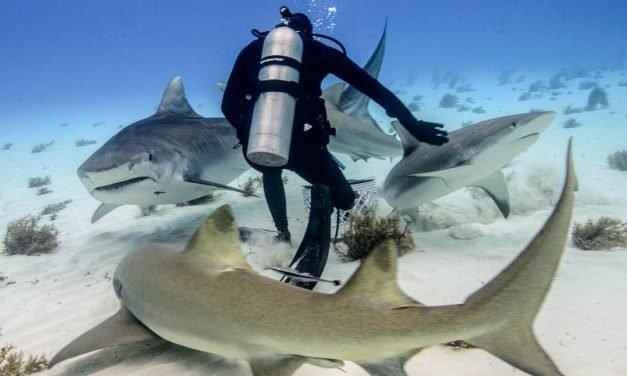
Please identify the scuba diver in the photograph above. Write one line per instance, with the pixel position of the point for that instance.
(273, 99)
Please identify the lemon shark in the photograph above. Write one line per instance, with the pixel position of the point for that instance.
(473, 157)
(207, 297)
(171, 157)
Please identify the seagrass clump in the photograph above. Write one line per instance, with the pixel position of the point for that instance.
(12, 363)
(25, 236)
(251, 185)
(606, 233)
(618, 160)
(365, 231)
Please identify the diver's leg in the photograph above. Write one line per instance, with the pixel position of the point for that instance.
(329, 188)
(275, 198)
(320, 167)
(311, 256)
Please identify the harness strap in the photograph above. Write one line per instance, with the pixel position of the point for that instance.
(280, 60)
(289, 87)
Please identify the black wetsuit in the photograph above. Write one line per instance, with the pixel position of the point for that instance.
(308, 156)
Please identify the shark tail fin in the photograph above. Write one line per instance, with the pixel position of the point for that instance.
(514, 297)
(518, 347)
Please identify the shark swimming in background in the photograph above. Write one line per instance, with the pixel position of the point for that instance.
(357, 133)
(207, 297)
(473, 157)
(171, 157)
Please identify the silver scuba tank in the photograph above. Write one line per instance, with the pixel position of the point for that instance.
(273, 114)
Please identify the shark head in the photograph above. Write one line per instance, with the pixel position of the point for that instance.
(473, 157)
(130, 169)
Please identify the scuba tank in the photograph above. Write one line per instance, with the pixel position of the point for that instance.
(273, 114)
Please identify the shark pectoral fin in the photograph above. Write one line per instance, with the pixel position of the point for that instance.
(332, 95)
(120, 329)
(388, 367)
(375, 279)
(520, 349)
(283, 365)
(102, 210)
(194, 180)
(218, 232)
(494, 185)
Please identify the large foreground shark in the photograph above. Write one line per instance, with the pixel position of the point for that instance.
(473, 157)
(171, 157)
(208, 298)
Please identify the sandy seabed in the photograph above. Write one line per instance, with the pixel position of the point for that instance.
(48, 300)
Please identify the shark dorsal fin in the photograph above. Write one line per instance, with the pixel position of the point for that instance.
(375, 280)
(332, 95)
(218, 238)
(410, 143)
(353, 101)
(174, 103)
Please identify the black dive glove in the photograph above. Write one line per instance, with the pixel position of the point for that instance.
(425, 131)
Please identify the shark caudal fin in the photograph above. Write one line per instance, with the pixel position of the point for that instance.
(517, 293)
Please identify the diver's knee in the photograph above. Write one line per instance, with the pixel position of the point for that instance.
(344, 199)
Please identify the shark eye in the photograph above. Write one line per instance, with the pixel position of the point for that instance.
(150, 157)
(130, 166)
(513, 125)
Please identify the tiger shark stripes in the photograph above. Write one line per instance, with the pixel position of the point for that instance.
(473, 157)
(208, 298)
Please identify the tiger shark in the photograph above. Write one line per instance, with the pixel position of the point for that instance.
(473, 157)
(171, 157)
(207, 297)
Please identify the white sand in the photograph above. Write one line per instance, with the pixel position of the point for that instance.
(46, 301)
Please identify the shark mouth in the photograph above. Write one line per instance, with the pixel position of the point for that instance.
(122, 184)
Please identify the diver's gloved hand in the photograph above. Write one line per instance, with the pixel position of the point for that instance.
(425, 131)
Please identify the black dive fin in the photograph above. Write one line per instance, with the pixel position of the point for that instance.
(208, 183)
(311, 256)
(102, 210)
(120, 329)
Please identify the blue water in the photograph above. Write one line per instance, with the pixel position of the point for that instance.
(89, 61)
